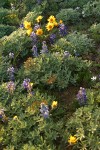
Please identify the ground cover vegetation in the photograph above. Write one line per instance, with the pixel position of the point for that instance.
(50, 75)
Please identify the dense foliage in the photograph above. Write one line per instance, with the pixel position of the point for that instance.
(50, 75)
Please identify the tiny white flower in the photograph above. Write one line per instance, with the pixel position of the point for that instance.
(77, 8)
(93, 78)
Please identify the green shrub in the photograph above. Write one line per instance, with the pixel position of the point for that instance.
(4, 3)
(84, 124)
(54, 70)
(72, 3)
(29, 129)
(18, 43)
(8, 17)
(92, 10)
(68, 15)
(95, 32)
(75, 43)
(3, 68)
(6, 30)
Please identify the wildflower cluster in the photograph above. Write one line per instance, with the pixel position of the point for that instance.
(81, 96)
(27, 25)
(28, 86)
(2, 115)
(44, 110)
(11, 72)
(11, 87)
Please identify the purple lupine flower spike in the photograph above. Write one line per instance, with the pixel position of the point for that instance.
(11, 87)
(33, 37)
(52, 38)
(39, 1)
(44, 48)
(44, 111)
(34, 50)
(62, 29)
(81, 96)
(11, 55)
(11, 72)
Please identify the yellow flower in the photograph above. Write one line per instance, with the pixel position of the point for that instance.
(39, 18)
(39, 32)
(15, 118)
(72, 140)
(54, 104)
(27, 24)
(55, 24)
(49, 26)
(51, 19)
(29, 31)
(60, 21)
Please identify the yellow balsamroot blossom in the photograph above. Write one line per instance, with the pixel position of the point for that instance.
(27, 24)
(29, 31)
(39, 18)
(51, 19)
(39, 32)
(54, 104)
(72, 140)
(49, 26)
(55, 24)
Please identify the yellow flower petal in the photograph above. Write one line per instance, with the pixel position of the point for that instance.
(27, 24)
(39, 32)
(29, 31)
(54, 104)
(49, 26)
(51, 19)
(39, 18)
(72, 140)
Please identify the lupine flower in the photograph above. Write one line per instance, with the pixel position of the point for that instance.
(11, 87)
(33, 37)
(54, 104)
(27, 84)
(44, 48)
(36, 27)
(2, 115)
(39, 18)
(11, 72)
(72, 140)
(34, 50)
(21, 26)
(11, 55)
(27, 25)
(51, 19)
(81, 96)
(39, 1)
(66, 54)
(52, 38)
(49, 26)
(62, 29)
(44, 110)
(39, 31)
